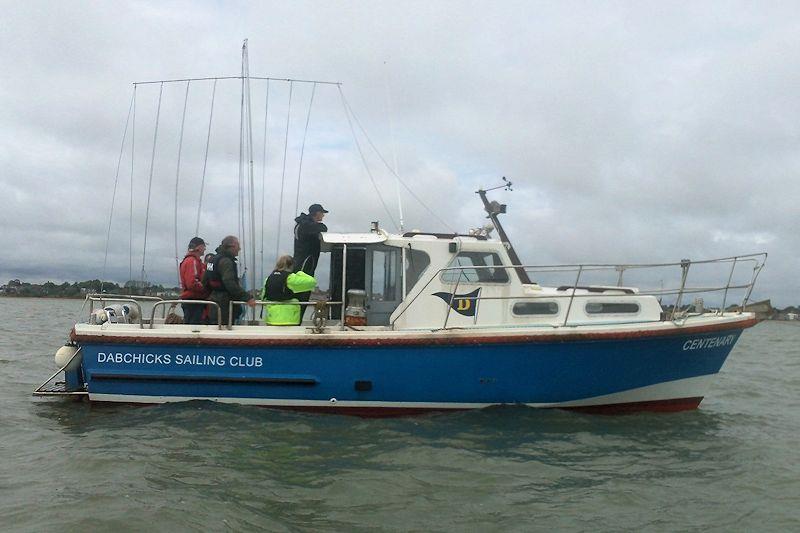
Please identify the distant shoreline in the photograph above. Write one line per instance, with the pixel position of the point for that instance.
(14, 296)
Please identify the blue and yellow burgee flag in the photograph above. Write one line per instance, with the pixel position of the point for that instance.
(463, 304)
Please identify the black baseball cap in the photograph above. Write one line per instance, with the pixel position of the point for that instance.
(316, 208)
(195, 242)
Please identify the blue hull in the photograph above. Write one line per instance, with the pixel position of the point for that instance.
(382, 377)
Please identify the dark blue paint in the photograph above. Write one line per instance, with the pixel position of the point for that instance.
(489, 373)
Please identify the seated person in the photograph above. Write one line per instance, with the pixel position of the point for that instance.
(282, 286)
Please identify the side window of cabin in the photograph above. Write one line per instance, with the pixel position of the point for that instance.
(535, 308)
(465, 260)
(609, 308)
(416, 263)
(384, 276)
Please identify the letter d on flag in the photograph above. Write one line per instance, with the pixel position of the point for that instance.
(463, 304)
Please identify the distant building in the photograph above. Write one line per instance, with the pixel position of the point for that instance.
(137, 284)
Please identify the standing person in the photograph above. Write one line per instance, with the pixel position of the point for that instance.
(307, 239)
(191, 272)
(284, 285)
(222, 278)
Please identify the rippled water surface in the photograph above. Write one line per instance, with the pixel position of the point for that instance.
(732, 465)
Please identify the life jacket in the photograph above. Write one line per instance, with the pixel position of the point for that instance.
(281, 287)
(212, 280)
(275, 289)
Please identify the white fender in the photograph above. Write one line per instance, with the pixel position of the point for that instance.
(65, 354)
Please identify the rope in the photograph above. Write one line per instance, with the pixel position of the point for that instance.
(302, 150)
(133, 158)
(364, 160)
(205, 159)
(283, 174)
(263, 177)
(114, 194)
(150, 184)
(383, 160)
(177, 179)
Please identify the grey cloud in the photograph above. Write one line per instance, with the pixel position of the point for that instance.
(633, 132)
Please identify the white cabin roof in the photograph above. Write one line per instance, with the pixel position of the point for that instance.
(351, 238)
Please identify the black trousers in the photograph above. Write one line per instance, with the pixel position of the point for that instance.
(304, 297)
(223, 307)
(193, 313)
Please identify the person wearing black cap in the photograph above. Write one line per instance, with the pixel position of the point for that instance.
(307, 239)
(191, 271)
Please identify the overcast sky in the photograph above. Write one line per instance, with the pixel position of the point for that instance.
(633, 131)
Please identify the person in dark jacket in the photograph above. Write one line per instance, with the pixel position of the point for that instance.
(192, 269)
(307, 239)
(222, 278)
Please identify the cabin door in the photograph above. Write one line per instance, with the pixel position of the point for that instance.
(383, 283)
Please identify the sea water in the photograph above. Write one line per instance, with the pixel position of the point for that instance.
(732, 465)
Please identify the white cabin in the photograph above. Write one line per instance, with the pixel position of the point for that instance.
(431, 281)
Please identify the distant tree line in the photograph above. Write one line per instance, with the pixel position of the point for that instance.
(80, 289)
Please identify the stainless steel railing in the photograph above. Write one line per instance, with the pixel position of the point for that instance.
(756, 261)
(176, 302)
(120, 298)
(261, 303)
(469, 274)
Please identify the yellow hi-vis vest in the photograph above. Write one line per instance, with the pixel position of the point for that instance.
(289, 313)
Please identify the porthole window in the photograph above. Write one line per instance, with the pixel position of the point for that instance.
(609, 308)
(535, 308)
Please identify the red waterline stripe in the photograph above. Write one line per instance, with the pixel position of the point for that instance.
(657, 406)
(429, 340)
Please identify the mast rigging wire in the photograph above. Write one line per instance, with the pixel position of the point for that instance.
(383, 160)
(114, 193)
(133, 158)
(364, 160)
(241, 226)
(177, 179)
(394, 147)
(263, 177)
(283, 174)
(302, 151)
(292, 80)
(150, 184)
(205, 159)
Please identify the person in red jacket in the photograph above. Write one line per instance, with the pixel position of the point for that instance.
(192, 269)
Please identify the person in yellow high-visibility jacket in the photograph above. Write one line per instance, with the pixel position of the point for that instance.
(282, 286)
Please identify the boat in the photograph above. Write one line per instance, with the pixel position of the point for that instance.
(424, 321)
(430, 322)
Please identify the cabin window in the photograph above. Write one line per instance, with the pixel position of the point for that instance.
(416, 263)
(535, 308)
(384, 275)
(476, 275)
(608, 308)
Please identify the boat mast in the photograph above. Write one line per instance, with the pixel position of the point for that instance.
(250, 180)
(493, 209)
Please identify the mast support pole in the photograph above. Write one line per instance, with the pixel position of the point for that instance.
(493, 209)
